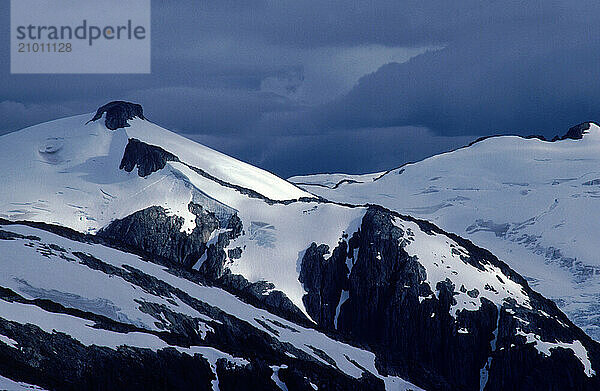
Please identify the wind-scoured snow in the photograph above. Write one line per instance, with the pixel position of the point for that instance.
(534, 204)
(276, 235)
(275, 253)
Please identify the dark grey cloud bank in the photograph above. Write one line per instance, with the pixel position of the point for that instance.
(309, 86)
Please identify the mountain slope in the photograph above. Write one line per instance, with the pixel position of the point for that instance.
(533, 203)
(65, 302)
(124, 224)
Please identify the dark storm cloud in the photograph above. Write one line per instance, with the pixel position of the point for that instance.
(310, 23)
(501, 81)
(277, 82)
(229, 112)
(344, 151)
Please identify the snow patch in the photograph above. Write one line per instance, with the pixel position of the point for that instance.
(276, 379)
(308, 340)
(576, 347)
(542, 220)
(9, 341)
(343, 297)
(11, 385)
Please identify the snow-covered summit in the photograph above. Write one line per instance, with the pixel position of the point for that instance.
(67, 172)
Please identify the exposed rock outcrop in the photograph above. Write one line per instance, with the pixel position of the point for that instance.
(154, 231)
(392, 308)
(213, 266)
(323, 279)
(147, 158)
(57, 361)
(576, 132)
(118, 113)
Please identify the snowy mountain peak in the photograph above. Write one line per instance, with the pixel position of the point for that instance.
(533, 203)
(77, 174)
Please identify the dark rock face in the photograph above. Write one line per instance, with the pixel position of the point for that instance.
(517, 365)
(324, 279)
(214, 265)
(118, 113)
(577, 131)
(252, 377)
(4, 235)
(296, 381)
(384, 310)
(261, 294)
(391, 308)
(157, 233)
(58, 362)
(147, 158)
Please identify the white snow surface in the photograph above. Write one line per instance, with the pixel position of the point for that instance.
(275, 377)
(276, 235)
(67, 172)
(534, 204)
(8, 341)
(441, 258)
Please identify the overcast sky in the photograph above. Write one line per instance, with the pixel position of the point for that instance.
(342, 86)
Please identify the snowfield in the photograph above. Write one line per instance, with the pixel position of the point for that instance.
(66, 172)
